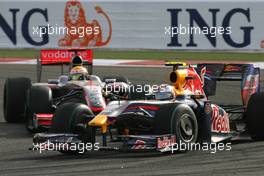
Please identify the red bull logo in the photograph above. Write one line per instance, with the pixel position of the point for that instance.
(195, 85)
(166, 141)
(220, 120)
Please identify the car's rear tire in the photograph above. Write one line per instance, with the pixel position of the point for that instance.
(254, 116)
(39, 101)
(67, 118)
(14, 103)
(181, 122)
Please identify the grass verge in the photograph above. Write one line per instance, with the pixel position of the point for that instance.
(147, 54)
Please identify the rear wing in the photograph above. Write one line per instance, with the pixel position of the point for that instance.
(247, 74)
(63, 57)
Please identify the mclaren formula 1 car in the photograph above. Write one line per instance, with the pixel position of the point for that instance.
(35, 103)
(177, 113)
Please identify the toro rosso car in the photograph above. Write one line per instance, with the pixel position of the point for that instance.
(173, 114)
(35, 103)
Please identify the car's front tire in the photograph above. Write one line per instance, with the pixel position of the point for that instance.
(69, 117)
(39, 101)
(181, 122)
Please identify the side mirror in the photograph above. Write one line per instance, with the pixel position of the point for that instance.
(63, 80)
(53, 81)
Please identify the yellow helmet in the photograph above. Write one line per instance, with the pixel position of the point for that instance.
(78, 73)
(79, 69)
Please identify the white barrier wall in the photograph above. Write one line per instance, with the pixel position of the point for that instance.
(148, 24)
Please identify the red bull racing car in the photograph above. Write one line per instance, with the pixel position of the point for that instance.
(35, 103)
(173, 114)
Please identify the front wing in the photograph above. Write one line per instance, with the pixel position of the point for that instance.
(161, 143)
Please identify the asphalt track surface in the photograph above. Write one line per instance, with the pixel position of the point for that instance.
(245, 158)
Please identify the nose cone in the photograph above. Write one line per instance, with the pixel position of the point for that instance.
(99, 121)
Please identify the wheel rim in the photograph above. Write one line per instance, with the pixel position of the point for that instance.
(186, 128)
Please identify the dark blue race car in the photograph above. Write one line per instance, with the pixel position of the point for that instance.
(160, 119)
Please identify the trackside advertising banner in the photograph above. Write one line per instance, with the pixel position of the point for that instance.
(210, 25)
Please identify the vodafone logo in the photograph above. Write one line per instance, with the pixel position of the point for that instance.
(62, 54)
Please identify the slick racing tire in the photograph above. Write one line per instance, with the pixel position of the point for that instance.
(117, 79)
(14, 103)
(69, 117)
(254, 116)
(181, 122)
(39, 101)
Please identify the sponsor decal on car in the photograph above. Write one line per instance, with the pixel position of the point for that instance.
(194, 85)
(63, 56)
(165, 141)
(207, 108)
(42, 120)
(139, 144)
(232, 68)
(220, 120)
(251, 82)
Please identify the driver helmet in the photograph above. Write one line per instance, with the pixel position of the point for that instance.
(78, 73)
